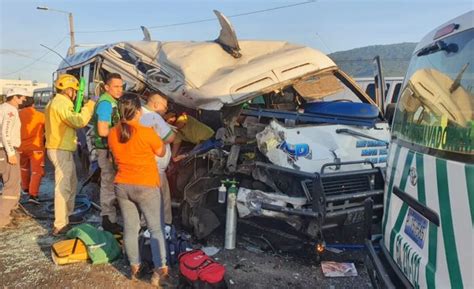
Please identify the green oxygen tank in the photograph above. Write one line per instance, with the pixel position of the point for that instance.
(231, 216)
(80, 95)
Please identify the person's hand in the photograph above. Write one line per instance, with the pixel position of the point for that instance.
(12, 160)
(179, 157)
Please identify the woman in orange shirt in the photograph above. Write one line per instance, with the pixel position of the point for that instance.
(137, 183)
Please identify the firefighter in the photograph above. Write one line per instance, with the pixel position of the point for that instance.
(10, 141)
(31, 149)
(189, 130)
(61, 143)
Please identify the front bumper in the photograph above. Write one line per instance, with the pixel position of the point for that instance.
(383, 271)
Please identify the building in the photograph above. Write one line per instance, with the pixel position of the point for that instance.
(29, 84)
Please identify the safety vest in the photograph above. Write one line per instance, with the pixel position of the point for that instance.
(101, 142)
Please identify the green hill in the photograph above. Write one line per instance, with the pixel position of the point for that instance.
(357, 62)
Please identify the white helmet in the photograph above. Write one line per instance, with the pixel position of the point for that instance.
(21, 91)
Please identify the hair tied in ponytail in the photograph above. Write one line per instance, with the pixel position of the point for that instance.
(128, 105)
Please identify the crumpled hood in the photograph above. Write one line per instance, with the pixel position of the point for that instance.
(203, 75)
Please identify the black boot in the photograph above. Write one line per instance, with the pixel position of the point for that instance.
(113, 228)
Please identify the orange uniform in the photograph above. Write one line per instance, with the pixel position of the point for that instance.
(31, 149)
(136, 158)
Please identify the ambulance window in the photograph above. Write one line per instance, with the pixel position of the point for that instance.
(436, 106)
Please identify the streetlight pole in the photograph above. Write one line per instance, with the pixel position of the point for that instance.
(72, 47)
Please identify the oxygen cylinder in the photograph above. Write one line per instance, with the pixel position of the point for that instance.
(231, 217)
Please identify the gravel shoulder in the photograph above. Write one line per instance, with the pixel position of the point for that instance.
(274, 261)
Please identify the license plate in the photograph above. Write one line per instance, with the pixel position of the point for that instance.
(354, 218)
(415, 227)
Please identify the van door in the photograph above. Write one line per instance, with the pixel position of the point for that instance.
(379, 84)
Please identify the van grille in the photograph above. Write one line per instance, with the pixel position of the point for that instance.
(350, 184)
(340, 185)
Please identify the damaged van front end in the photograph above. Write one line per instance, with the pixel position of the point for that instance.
(302, 141)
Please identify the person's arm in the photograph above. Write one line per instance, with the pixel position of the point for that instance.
(157, 144)
(170, 137)
(175, 146)
(104, 118)
(42, 124)
(77, 119)
(7, 126)
(103, 128)
(166, 132)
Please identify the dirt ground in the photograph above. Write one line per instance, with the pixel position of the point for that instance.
(263, 258)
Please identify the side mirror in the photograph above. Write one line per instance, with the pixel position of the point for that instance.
(389, 112)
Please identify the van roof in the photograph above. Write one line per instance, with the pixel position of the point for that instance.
(465, 21)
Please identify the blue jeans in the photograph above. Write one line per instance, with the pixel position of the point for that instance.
(133, 199)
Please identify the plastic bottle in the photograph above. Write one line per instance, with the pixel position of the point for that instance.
(231, 217)
(222, 193)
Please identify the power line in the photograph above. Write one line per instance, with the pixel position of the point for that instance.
(15, 53)
(36, 60)
(201, 20)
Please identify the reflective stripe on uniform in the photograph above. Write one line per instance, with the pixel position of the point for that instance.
(10, 197)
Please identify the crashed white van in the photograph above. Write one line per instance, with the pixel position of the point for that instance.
(298, 151)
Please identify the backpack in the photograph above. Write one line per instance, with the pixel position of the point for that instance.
(176, 243)
(199, 271)
(102, 247)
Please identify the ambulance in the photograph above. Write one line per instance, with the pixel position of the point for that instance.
(427, 225)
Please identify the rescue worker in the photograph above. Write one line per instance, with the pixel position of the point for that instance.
(61, 143)
(10, 141)
(32, 149)
(189, 130)
(106, 116)
(152, 112)
(137, 185)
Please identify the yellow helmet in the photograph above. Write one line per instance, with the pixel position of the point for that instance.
(182, 119)
(66, 81)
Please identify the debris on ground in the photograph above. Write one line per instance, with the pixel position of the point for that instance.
(211, 250)
(337, 269)
(286, 261)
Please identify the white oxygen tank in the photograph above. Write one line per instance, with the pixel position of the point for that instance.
(231, 217)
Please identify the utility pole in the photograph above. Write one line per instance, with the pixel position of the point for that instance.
(72, 47)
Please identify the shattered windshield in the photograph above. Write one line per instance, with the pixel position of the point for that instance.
(436, 106)
(315, 88)
(325, 87)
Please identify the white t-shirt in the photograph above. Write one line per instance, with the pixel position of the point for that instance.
(10, 127)
(161, 127)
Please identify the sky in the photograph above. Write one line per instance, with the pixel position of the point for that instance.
(327, 25)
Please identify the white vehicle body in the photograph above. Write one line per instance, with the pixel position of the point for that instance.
(252, 88)
(427, 227)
